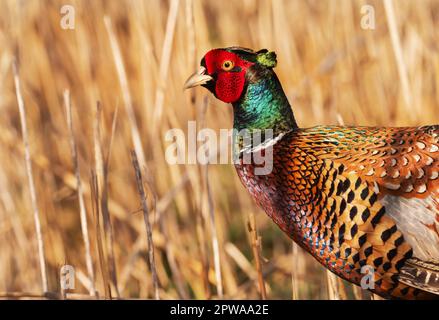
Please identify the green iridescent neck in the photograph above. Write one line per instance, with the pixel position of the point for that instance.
(264, 105)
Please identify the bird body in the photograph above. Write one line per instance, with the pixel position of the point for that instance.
(353, 197)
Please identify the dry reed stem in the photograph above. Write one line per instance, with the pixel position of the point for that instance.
(269, 269)
(169, 248)
(33, 194)
(127, 270)
(190, 30)
(200, 218)
(206, 195)
(191, 50)
(357, 291)
(80, 191)
(201, 231)
(101, 175)
(165, 63)
(94, 193)
(397, 50)
(161, 206)
(145, 210)
(84, 279)
(200, 226)
(215, 243)
(110, 144)
(341, 289)
(294, 269)
(333, 293)
(123, 81)
(240, 260)
(256, 247)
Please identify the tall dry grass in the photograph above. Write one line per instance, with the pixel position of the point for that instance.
(131, 58)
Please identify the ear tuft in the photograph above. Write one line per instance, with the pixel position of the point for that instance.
(266, 58)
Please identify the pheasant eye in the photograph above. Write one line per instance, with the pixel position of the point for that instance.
(227, 65)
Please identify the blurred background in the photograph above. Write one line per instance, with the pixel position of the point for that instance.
(124, 64)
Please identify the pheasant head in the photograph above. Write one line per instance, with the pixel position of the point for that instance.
(245, 78)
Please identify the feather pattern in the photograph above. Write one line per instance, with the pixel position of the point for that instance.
(328, 192)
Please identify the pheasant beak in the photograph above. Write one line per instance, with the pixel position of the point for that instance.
(197, 79)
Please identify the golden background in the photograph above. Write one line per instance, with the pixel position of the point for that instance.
(134, 63)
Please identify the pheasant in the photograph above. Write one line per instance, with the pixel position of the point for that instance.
(350, 196)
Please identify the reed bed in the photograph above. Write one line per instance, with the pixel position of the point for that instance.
(84, 104)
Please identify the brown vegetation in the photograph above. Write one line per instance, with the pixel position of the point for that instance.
(71, 197)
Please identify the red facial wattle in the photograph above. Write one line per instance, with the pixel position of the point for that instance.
(229, 84)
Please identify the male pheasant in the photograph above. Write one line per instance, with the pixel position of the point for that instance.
(350, 196)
